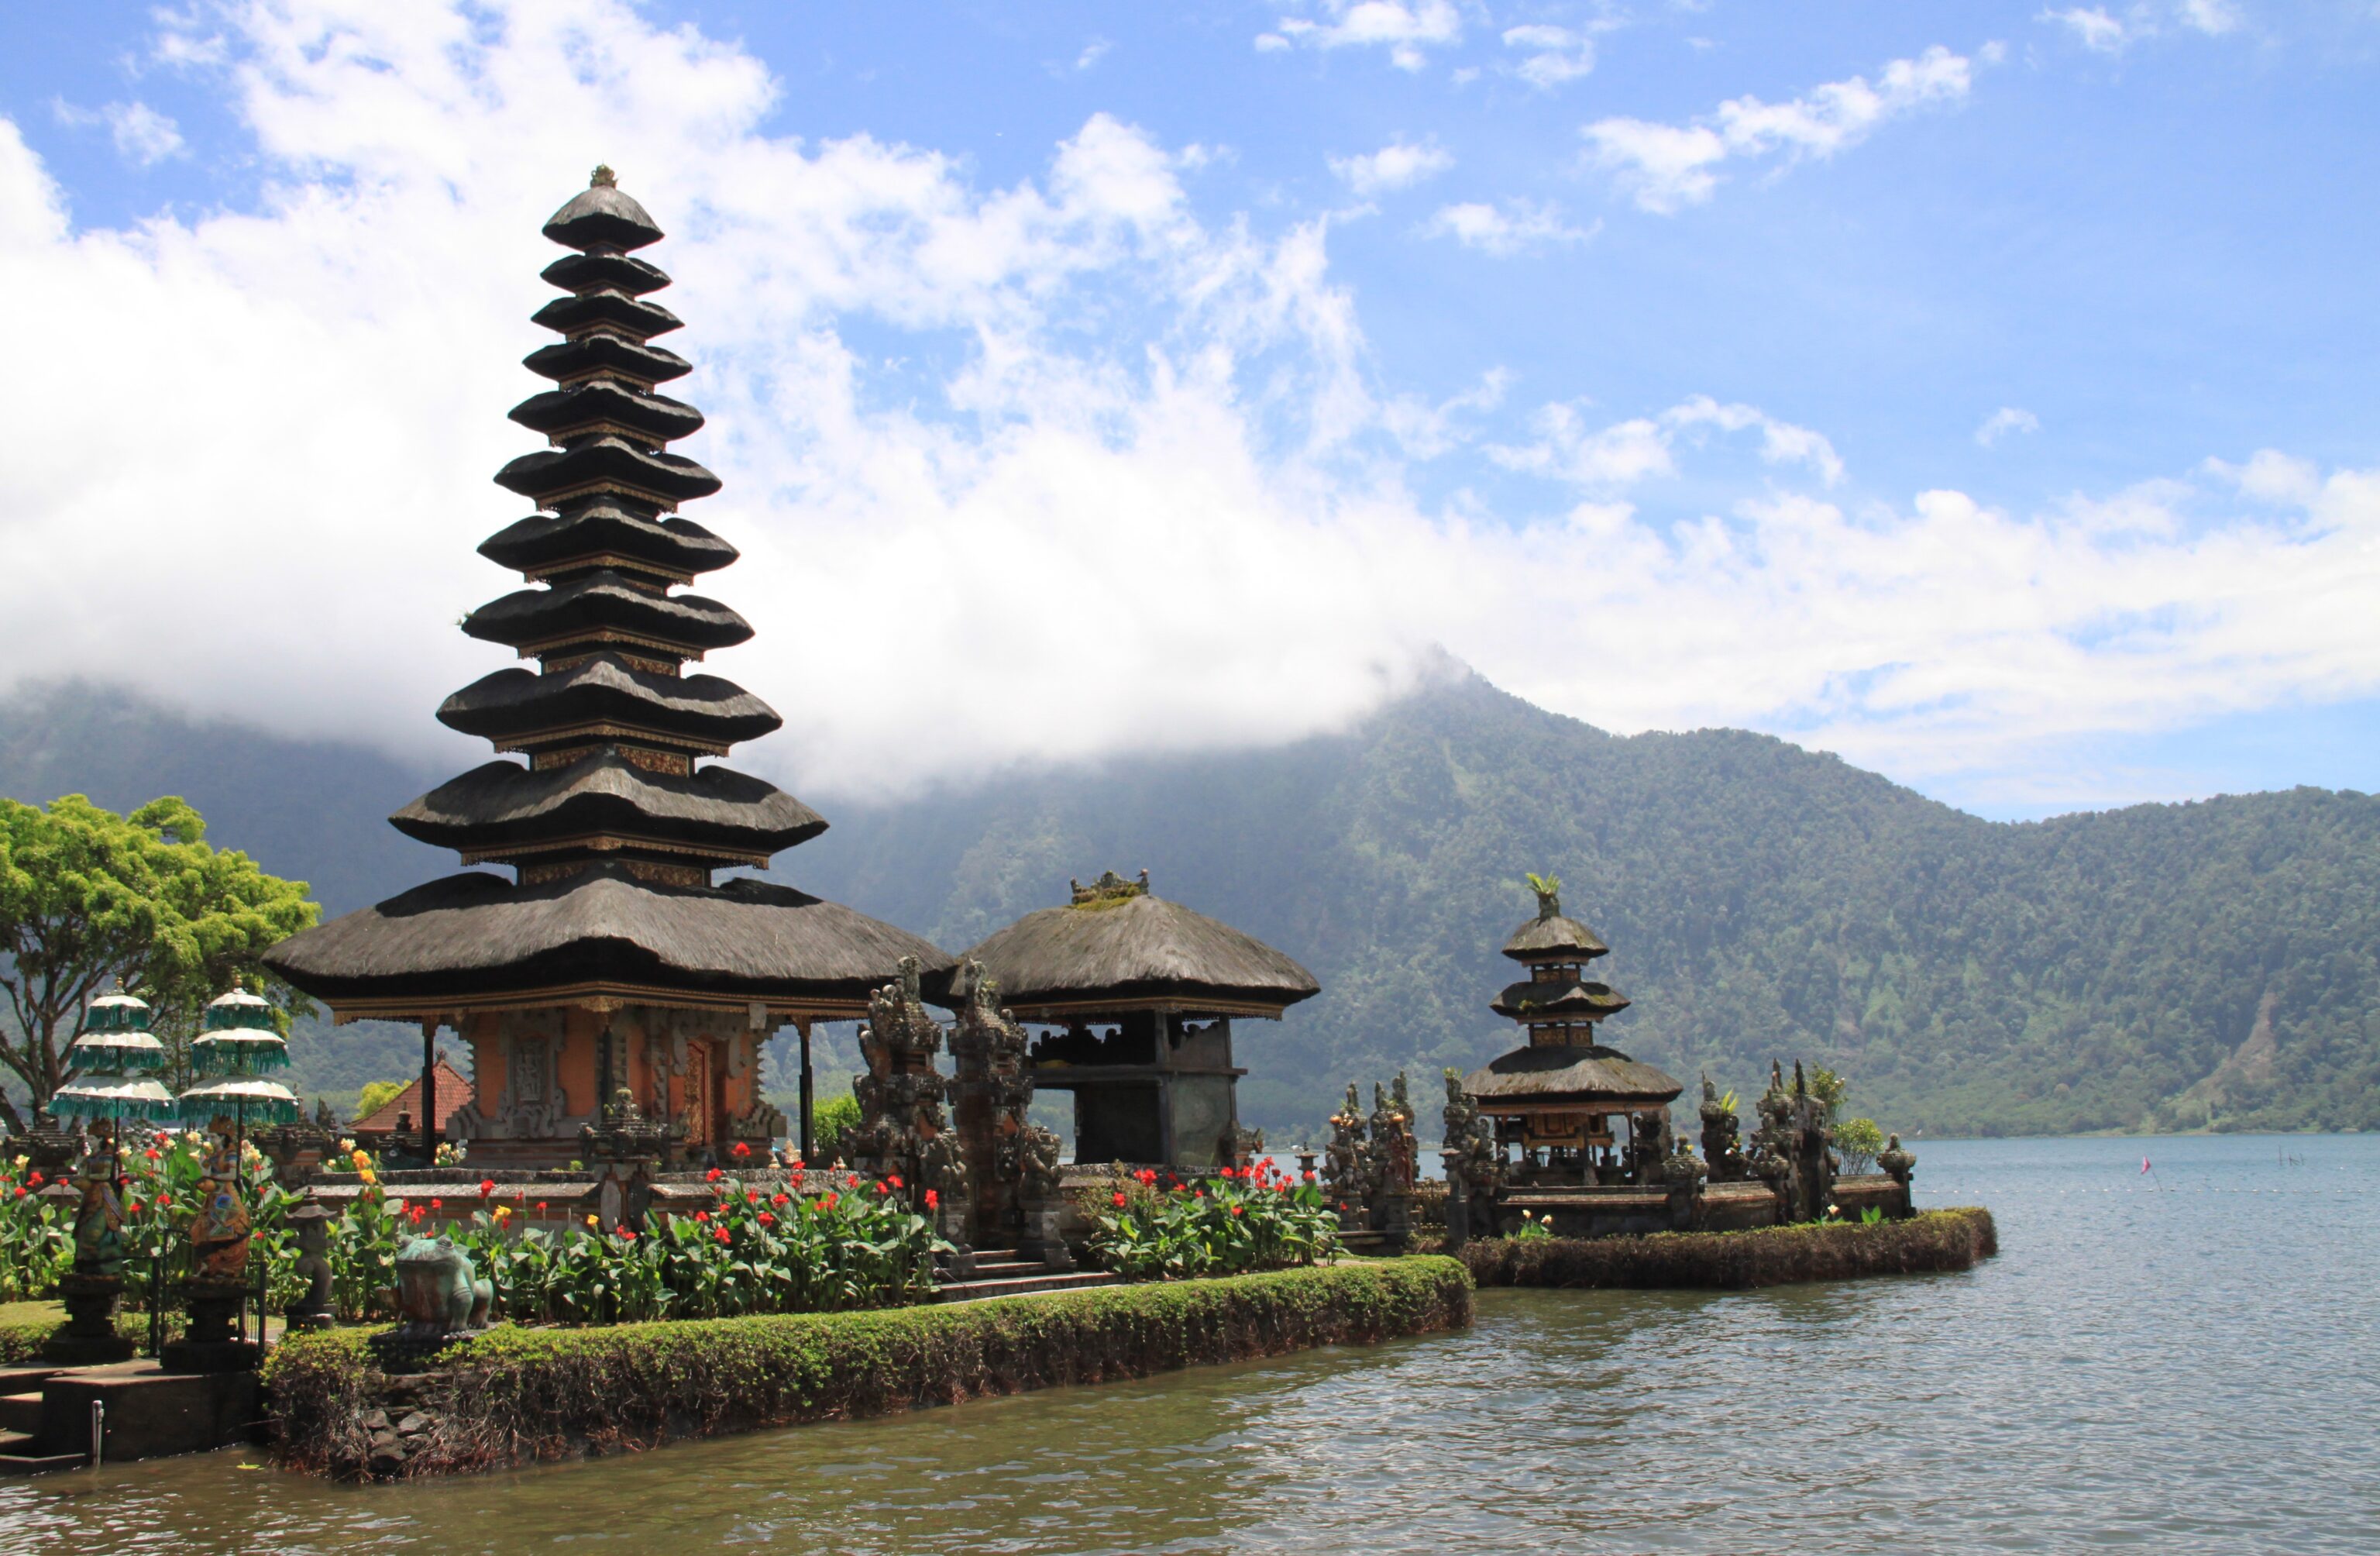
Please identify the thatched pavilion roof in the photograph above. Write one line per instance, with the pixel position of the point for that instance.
(1118, 947)
(478, 941)
(1583, 1075)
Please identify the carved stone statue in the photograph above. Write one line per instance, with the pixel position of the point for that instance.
(1346, 1164)
(1722, 1150)
(1392, 1142)
(313, 1308)
(990, 1094)
(1473, 1165)
(900, 1094)
(438, 1292)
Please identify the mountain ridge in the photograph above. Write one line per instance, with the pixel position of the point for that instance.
(2153, 966)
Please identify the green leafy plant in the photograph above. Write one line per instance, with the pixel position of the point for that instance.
(1236, 1220)
(1857, 1141)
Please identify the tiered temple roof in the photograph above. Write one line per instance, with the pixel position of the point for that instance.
(612, 823)
(1563, 1066)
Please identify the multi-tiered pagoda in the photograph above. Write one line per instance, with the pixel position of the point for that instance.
(613, 958)
(1558, 1097)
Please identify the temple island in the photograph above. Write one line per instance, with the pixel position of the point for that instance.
(610, 1158)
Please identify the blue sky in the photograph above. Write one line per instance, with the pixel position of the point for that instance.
(1985, 393)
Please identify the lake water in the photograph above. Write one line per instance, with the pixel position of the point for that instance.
(2183, 1360)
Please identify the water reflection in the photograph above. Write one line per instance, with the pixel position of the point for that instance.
(2175, 1364)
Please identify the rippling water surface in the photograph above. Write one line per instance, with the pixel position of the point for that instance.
(2185, 1360)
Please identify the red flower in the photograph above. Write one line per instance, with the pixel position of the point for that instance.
(829, 1200)
(1199, 1194)
(851, 1180)
(163, 1201)
(35, 1180)
(743, 1149)
(882, 1187)
(702, 1215)
(415, 1213)
(133, 1209)
(719, 1233)
(797, 1166)
(541, 1204)
(933, 1200)
(487, 1187)
(768, 1220)
(1309, 1175)
(894, 1180)
(751, 1197)
(622, 1231)
(438, 1204)
(151, 1153)
(777, 1199)
(20, 1191)
(712, 1177)
(1119, 1199)
(1235, 1209)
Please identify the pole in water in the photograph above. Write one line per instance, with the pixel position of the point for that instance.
(98, 1430)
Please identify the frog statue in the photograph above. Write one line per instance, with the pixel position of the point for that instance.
(436, 1291)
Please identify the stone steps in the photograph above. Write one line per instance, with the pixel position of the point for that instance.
(22, 1454)
(20, 1413)
(1042, 1280)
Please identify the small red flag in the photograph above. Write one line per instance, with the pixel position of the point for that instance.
(2144, 1164)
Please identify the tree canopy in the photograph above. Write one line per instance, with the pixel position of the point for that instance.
(89, 898)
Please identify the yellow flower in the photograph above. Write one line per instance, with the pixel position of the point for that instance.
(594, 1221)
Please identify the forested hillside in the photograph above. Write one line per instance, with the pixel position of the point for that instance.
(2157, 967)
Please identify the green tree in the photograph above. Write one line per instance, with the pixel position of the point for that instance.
(88, 898)
(1857, 1141)
(377, 1095)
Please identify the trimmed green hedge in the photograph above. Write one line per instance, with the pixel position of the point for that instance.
(515, 1395)
(1770, 1256)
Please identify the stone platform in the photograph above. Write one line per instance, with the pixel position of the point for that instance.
(148, 1413)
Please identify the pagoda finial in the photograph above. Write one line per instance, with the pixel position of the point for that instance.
(1549, 891)
(602, 177)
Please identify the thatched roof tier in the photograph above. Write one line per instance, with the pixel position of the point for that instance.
(475, 941)
(568, 362)
(1550, 937)
(1582, 1076)
(606, 464)
(515, 707)
(607, 404)
(1568, 1000)
(600, 216)
(1136, 951)
(583, 608)
(604, 533)
(619, 273)
(503, 808)
(630, 316)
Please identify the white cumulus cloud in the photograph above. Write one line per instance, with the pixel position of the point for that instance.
(2007, 420)
(1667, 167)
(1397, 165)
(1407, 28)
(1516, 226)
(1550, 55)
(143, 136)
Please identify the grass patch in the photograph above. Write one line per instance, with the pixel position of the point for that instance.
(1771, 1256)
(25, 1327)
(516, 1396)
